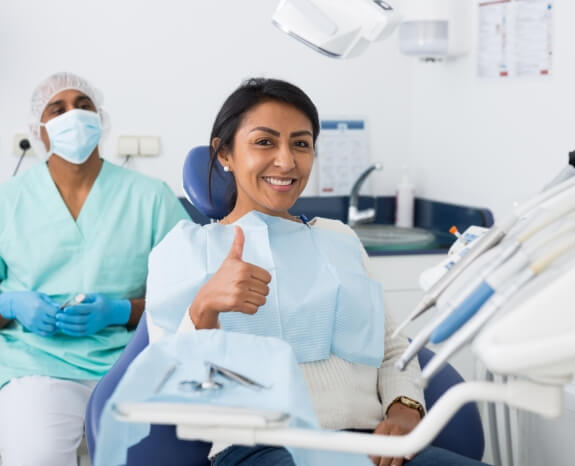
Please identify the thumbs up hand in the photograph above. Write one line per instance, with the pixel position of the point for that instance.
(236, 286)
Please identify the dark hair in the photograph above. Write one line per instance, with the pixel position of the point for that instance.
(251, 93)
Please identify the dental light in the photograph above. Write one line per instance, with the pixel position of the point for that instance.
(334, 27)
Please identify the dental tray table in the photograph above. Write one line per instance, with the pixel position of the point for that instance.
(199, 415)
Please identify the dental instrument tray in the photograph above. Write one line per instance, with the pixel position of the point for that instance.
(199, 415)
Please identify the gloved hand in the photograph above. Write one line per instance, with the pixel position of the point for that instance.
(92, 315)
(35, 311)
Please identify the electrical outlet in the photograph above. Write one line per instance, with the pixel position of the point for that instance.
(16, 150)
(138, 146)
(149, 146)
(128, 146)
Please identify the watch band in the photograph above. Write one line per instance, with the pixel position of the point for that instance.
(408, 402)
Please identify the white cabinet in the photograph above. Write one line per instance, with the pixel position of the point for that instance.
(399, 276)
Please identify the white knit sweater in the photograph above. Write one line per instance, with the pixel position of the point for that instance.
(347, 395)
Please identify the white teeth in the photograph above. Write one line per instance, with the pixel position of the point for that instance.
(278, 181)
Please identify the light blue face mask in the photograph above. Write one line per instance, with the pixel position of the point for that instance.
(74, 135)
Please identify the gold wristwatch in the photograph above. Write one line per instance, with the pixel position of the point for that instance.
(406, 401)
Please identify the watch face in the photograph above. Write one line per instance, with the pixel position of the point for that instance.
(412, 404)
(409, 403)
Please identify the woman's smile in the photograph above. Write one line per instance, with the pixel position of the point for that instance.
(280, 184)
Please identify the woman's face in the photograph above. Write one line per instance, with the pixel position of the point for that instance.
(272, 158)
(63, 102)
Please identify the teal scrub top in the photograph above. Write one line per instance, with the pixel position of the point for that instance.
(105, 250)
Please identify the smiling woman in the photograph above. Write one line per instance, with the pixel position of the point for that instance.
(264, 273)
(271, 164)
(265, 135)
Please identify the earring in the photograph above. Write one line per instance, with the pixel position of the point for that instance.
(226, 168)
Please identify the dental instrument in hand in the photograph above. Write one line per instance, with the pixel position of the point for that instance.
(72, 301)
(482, 288)
(490, 309)
(486, 242)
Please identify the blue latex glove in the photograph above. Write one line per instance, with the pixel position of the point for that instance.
(95, 313)
(35, 311)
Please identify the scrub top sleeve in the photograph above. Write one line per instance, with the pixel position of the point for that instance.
(169, 211)
(2, 270)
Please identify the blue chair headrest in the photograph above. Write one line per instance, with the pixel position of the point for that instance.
(195, 177)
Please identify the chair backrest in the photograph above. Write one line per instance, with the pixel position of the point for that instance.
(197, 187)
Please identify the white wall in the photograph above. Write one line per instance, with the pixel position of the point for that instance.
(166, 66)
(491, 142)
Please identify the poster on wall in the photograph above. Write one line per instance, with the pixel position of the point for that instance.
(515, 38)
(343, 154)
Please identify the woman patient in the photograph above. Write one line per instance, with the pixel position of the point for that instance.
(306, 282)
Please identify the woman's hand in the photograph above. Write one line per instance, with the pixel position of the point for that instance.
(236, 286)
(400, 420)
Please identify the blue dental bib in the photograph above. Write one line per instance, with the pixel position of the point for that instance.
(321, 299)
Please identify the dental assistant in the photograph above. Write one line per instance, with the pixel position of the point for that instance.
(74, 225)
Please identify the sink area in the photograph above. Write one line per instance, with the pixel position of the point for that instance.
(377, 237)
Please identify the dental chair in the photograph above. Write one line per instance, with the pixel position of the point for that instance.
(463, 434)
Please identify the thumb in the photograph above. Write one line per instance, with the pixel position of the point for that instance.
(237, 248)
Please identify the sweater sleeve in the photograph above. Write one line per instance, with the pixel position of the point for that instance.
(157, 333)
(391, 382)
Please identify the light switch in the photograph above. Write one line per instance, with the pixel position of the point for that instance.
(149, 146)
(127, 145)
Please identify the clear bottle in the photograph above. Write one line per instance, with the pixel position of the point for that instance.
(404, 202)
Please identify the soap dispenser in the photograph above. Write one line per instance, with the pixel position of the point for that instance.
(404, 202)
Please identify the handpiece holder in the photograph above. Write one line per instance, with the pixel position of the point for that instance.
(493, 237)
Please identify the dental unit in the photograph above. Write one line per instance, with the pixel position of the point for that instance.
(478, 290)
(493, 237)
(507, 287)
